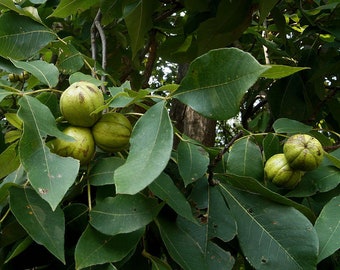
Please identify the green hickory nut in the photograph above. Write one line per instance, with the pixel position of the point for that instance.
(303, 152)
(112, 132)
(82, 148)
(79, 101)
(278, 171)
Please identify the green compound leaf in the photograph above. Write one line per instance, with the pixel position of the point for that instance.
(45, 226)
(55, 174)
(68, 7)
(43, 71)
(280, 71)
(286, 125)
(189, 246)
(138, 19)
(328, 228)
(272, 236)
(216, 82)
(123, 213)
(22, 37)
(103, 169)
(94, 247)
(151, 145)
(164, 188)
(245, 159)
(193, 161)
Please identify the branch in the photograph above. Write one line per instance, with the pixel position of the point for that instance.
(97, 28)
(152, 50)
(218, 158)
(252, 110)
(265, 49)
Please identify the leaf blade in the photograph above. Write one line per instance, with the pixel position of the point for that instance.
(94, 247)
(151, 146)
(216, 82)
(21, 37)
(123, 213)
(327, 226)
(45, 226)
(164, 188)
(268, 232)
(245, 159)
(55, 174)
(43, 71)
(193, 161)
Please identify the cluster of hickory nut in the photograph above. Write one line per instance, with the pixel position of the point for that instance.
(301, 153)
(109, 131)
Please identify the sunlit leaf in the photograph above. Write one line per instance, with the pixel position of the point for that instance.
(43, 71)
(69, 7)
(280, 71)
(9, 160)
(21, 37)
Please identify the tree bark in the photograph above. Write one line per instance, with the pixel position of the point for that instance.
(189, 122)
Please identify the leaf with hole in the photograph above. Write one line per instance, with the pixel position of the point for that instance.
(55, 174)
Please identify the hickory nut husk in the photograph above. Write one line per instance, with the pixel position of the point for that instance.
(112, 132)
(79, 101)
(303, 152)
(82, 148)
(278, 171)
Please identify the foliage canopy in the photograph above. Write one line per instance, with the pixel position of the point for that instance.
(272, 67)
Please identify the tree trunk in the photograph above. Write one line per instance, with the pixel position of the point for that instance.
(189, 122)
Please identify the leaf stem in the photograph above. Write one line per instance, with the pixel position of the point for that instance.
(43, 90)
(89, 199)
(11, 89)
(5, 215)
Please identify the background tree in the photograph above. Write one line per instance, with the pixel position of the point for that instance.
(212, 89)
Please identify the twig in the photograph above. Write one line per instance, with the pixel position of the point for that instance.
(265, 49)
(218, 158)
(97, 28)
(252, 110)
(152, 50)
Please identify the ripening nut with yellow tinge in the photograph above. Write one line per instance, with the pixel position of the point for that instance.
(78, 103)
(303, 152)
